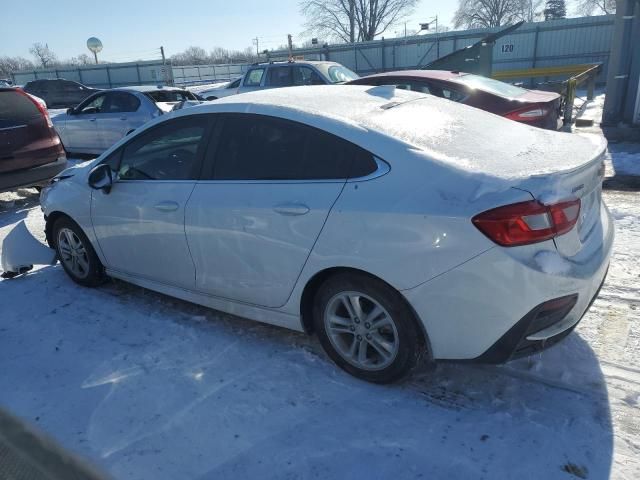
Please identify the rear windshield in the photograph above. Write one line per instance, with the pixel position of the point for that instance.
(16, 109)
(171, 96)
(490, 85)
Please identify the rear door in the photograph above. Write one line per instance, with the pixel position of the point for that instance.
(271, 185)
(119, 114)
(139, 224)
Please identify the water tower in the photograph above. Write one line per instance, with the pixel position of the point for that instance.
(95, 45)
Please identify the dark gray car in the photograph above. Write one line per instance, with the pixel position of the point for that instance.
(59, 93)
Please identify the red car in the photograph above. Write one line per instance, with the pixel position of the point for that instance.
(533, 107)
(30, 150)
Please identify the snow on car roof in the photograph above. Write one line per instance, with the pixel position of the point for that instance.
(463, 137)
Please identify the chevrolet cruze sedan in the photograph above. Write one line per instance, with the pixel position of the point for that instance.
(394, 225)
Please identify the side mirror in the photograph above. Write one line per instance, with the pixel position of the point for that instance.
(101, 178)
(70, 111)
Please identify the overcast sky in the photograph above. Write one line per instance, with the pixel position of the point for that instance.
(135, 29)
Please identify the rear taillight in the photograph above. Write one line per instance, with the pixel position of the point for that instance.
(527, 222)
(528, 114)
(41, 108)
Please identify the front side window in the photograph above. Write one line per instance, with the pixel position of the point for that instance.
(120, 102)
(259, 147)
(168, 152)
(93, 105)
(254, 77)
(280, 77)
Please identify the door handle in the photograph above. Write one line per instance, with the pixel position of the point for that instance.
(291, 209)
(123, 118)
(92, 119)
(167, 206)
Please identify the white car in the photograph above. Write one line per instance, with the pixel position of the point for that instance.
(220, 90)
(390, 223)
(107, 116)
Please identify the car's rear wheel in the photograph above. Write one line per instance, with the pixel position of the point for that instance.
(77, 256)
(366, 327)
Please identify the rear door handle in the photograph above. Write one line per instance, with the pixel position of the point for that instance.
(92, 119)
(291, 209)
(123, 118)
(167, 206)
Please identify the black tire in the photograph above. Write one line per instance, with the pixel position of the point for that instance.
(409, 337)
(95, 272)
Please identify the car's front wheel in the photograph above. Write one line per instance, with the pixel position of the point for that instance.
(366, 327)
(77, 256)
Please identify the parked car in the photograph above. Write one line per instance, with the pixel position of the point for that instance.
(332, 210)
(107, 116)
(220, 91)
(30, 149)
(5, 82)
(59, 93)
(533, 107)
(294, 73)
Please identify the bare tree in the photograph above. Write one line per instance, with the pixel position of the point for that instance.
(490, 13)
(191, 56)
(10, 65)
(533, 10)
(82, 59)
(599, 7)
(43, 54)
(354, 20)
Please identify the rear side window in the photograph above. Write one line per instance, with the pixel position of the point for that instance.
(280, 77)
(16, 109)
(254, 77)
(259, 147)
(170, 95)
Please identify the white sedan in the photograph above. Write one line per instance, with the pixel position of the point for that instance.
(392, 224)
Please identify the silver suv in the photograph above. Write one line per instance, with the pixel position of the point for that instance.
(288, 74)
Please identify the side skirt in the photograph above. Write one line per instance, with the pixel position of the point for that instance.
(252, 312)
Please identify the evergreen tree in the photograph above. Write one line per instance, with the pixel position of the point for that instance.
(555, 9)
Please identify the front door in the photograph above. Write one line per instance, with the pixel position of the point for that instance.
(139, 224)
(80, 128)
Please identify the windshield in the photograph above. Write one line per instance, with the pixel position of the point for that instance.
(171, 96)
(490, 85)
(338, 73)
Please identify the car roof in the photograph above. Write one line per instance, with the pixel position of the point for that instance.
(148, 88)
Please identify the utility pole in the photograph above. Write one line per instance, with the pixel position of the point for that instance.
(257, 43)
(290, 43)
(426, 25)
(162, 53)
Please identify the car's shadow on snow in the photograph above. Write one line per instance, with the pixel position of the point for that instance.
(150, 386)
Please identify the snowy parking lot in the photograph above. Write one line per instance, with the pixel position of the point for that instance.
(145, 386)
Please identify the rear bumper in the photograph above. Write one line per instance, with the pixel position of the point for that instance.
(489, 303)
(36, 176)
(526, 338)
